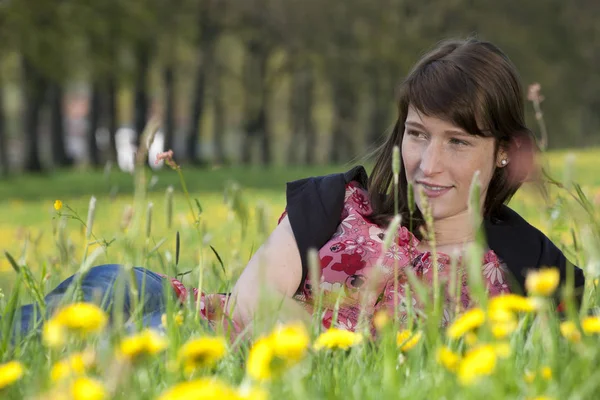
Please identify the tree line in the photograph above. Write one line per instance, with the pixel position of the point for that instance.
(296, 81)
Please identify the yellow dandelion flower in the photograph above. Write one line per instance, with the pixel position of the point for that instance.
(10, 372)
(501, 315)
(202, 352)
(501, 331)
(540, 398)
(502, 349)
(178, 318)
(146, 343)
(569, 330)
(480, 361)
(590, 325)
(76, 364)
(85, 388)
(381, 320)
(467, 322)
(252, 393)
(546, 373)
(406, 339)
(542, 282)
(529, 376)
(58, 205)
(290, 342)
(512, 302)
(205, 388)
(54, 334)
(503, 322)
(471, 339)
(335, 338)
(260, 360)
(82, 318)
(448, 359)
(271, 355)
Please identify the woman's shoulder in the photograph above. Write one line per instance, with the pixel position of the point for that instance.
(315, 204)
(328, 183)
(314, 207)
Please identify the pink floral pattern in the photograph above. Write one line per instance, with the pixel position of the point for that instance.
(353, 259)
(356, 276)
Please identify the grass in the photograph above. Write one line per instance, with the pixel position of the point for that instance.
(53, 248)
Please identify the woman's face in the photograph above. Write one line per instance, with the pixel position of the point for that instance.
(441, 158)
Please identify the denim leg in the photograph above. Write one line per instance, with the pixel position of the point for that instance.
(98, 286)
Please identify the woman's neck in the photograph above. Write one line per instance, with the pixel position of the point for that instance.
(451, 233)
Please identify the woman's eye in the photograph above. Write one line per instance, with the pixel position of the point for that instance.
(415, 134)
(459, 142)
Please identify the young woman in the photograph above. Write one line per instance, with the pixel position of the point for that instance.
(460, 111)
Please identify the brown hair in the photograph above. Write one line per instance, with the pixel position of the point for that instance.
(474, 85)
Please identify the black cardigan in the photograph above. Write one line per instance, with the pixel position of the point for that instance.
(314, 207)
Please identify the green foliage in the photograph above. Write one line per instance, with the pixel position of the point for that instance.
(214, 251)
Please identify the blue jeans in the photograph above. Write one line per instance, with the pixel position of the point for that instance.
(98, 286)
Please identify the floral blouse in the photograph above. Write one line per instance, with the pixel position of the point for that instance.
(351, 260)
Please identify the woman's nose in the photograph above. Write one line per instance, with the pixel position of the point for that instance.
(431, 159)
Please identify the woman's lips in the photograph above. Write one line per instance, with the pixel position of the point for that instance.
(433, 191)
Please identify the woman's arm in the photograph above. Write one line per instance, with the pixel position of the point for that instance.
(267, 284)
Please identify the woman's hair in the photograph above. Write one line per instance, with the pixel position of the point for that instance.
(472, 84)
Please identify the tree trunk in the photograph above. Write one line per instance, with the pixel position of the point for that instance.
(337, 152)
(209, 33)
(111, 115)
(256, 87)
(141, 89)
(92, 125)
(345, 105)
(303, 135)
(35, 86)
(382, 96)
(197, 110)
(57, 131)
(219, 126)
(169, 82)
(265, 137)
(4, 164)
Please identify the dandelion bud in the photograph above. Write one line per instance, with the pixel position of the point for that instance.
(426, 207)
(475, 200)
(12, 262)
(396, 163)
(261, 216)
(149, 219)
(126, 218)
(90, 218)
(390, 233)
(411, 198)
(169, 206)
(314, 267)
(568, 172)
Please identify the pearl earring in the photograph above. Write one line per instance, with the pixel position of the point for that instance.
(504, 161)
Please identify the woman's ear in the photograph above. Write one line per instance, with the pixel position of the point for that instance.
(520, 158)
(502, 159)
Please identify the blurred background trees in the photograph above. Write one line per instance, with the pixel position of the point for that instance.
(270, 82)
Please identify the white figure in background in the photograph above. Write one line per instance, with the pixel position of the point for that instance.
(155, 148)
(126, 148)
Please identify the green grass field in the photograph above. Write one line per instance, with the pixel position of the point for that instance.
(53, 248)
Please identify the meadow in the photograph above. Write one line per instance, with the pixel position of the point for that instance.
(227, 215)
